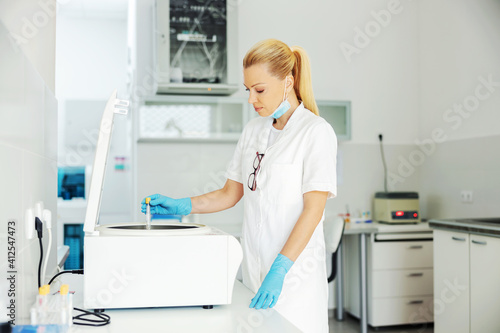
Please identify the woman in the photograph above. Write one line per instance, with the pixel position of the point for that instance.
(284, 164)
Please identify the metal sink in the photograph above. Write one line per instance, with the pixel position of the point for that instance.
(488, 226)
(495, 220)
(489, 220)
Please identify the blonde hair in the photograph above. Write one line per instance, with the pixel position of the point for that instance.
(283, 60)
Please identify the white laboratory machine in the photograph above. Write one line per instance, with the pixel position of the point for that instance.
(172, 264)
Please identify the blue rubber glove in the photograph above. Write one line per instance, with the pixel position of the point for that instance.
(270, 290)
(163, 205)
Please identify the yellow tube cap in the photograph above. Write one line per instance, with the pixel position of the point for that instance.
(44, 290)
(64, 289)
(148, 200)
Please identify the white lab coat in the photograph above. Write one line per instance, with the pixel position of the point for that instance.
(302, 159)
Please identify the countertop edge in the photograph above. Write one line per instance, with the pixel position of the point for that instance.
(473, 228)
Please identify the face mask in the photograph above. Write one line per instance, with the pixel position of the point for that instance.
(283, 107)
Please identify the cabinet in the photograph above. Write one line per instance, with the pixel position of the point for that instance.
(196, 46)
(484, 284)
(451, 262)
(400, 283)
(467, 275)
(338, 114)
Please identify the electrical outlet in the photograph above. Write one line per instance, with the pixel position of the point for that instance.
(39, 210)
(466, 196)
(29, 220)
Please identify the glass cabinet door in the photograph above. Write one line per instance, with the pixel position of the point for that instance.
(338, 114)
(198, 47)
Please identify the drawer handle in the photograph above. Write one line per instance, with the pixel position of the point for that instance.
(478, 242)
(416, 302)
(458, 239)
(415, 274)
(416, 247)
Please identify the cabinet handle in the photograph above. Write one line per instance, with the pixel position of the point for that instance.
(478, 242)
(416, 302)
(458, 239)
(415, 247)
(415, 274)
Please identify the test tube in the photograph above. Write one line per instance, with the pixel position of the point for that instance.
(148, 214)
(66, 306)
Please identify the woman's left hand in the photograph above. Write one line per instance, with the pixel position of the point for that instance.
(270, 290)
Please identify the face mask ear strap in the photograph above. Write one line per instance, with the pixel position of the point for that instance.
(285, 95)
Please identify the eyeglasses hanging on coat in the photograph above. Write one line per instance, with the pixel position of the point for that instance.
(252, 178)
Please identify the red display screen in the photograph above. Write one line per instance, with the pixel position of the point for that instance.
(404, 215)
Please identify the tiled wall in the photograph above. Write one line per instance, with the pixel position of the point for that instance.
(185, 169)
(28, 167)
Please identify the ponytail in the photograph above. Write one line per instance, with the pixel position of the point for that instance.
(303, 83)
(283, 60)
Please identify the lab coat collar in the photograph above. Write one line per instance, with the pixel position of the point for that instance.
(293, 118)
(263, 140)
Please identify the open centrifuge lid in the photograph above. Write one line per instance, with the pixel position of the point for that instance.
(113, 106)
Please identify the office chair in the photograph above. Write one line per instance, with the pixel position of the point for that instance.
(333, 230)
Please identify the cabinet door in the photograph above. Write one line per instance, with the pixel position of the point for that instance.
(451, 282)
(485, 284)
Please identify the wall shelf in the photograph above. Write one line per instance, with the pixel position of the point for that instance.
(212, 138)
(181, 118)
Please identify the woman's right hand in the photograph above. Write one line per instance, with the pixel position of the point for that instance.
(163, 205)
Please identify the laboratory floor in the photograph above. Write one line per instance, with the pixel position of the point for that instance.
(351, 325)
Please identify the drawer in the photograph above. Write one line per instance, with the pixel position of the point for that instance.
(401, 255)
(401, 310)
(397, 283)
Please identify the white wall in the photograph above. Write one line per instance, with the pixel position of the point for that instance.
(381, 81)
(92, 57)
(28, 146)
(459, 48)
(459, 44)
(31, 25)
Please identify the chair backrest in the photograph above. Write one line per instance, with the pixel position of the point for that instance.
(333, 229)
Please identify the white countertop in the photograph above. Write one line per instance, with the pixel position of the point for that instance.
(236, 317)
(375, 227)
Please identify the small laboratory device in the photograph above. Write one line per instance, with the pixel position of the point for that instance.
(127, 265)
(396, 207)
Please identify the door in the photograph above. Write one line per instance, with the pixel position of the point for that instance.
(485, 284)
(451, 282)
